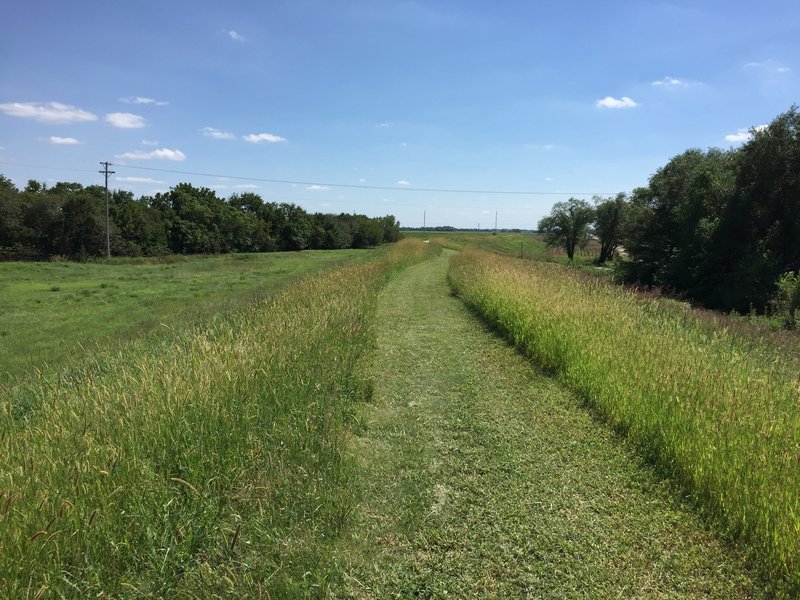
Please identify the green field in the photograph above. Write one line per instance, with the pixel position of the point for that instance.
(530, 246)
(228, 427)
(53, 312)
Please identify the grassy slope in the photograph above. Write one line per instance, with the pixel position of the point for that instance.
(715, 411)
(484, 478)
(208, 465)
(49, 310)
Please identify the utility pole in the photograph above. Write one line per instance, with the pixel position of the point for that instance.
(495, 222)
(106, 172)
(424, 219)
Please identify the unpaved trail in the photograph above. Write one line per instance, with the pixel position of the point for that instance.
(483, 477)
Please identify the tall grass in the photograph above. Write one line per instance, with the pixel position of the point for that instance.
(213, 465)
(720, 415)
(54, 313)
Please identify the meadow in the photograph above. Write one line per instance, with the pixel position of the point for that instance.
(530, 246)
(56, 312)
(208, 463)
(716, 411)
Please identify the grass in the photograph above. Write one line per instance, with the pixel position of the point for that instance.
(718, 416)
(209, 464)
(484, 478)
(53, 312)
(521, 245)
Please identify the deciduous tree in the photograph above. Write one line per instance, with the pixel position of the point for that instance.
(609, 214)
(567, 225)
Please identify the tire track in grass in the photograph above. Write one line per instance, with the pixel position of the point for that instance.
(482, 477)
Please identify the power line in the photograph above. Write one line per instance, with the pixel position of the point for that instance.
(364, 187)
(106, 172)
(17, 164)
(323, 184)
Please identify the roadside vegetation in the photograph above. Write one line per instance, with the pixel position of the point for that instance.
(716, 412)
(54, 313)
(717, 227)
(210, 464)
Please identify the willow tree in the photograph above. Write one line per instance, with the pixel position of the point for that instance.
(568, 225)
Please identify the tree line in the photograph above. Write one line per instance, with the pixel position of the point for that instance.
(69, 220)
(720, 227)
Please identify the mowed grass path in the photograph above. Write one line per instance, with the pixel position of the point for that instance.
(482, 477)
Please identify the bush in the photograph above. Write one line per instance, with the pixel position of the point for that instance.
(787, 297)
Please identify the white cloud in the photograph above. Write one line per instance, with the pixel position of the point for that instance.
(362, 180)
(246, 186)
(63, 141)
(217, 134)
(546, 147)
(235, 36)
(610, 102)
(548, 179)
(125, 120)
(149, 142)
(257, 138)
(670, 82)
(161, 153)
(317, 188)
(741, 135)
(744, 135)
(138, 180)
(403, 182)
(382, 125)
(768, 65)
(47, 112)
(143, 100)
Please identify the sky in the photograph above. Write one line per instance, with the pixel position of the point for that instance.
(440, 112)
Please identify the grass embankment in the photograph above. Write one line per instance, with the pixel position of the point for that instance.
(720, 416)
(210, 466)
(483, 478)
(51, 313)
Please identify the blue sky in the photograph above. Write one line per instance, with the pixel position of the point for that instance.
(547, 97)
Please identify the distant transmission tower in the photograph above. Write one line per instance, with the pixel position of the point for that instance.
(106, 172)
